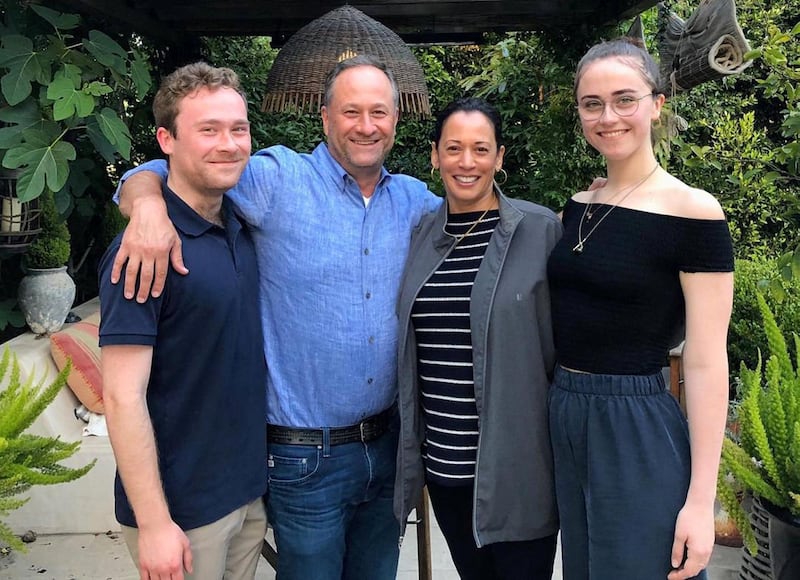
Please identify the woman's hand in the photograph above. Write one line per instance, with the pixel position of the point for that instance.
(694, 541)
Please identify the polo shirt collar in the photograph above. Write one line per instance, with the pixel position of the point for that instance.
(330, 167)
(189, 221)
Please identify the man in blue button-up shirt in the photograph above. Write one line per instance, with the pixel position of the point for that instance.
(332, 231)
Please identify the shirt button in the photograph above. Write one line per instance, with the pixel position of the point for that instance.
(368, 295)
(366, 251)
(369, 381)
(372, 340)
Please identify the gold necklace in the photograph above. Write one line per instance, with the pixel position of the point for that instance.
(578, 248)
(472, 227)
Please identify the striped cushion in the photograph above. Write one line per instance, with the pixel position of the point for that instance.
(79, 342)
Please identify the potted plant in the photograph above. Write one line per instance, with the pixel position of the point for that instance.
(765, 460)
(46, 292)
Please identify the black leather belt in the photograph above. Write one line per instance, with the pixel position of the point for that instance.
(368, 430)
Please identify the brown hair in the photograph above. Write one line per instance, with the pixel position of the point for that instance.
(627, 49)
(185, 81)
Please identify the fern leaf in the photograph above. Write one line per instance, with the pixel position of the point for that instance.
(748, 473)
(729, 501)
(25, 459)
(775, 339)
(7, 536)
(775, 422)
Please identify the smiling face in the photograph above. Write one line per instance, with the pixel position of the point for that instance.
(608, 80)
(467, 157)
(211, 144)
(359, 121)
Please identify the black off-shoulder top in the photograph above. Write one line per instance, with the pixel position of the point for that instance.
(618, 306)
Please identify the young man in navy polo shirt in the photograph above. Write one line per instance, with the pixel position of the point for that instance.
(184, 374)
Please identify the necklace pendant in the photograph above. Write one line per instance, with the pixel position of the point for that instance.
(578, 248)
(589, 215)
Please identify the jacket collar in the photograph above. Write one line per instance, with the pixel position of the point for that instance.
(510, 216)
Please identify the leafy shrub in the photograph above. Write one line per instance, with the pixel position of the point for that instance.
(51, 248)
(746, 335)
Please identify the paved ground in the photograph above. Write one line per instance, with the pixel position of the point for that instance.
(105, 557)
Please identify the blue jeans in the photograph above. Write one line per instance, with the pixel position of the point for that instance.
(331, 510)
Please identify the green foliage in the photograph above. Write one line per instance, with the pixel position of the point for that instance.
(745, 337)
(443, 66)
(27, 460)
(64, 99)
(528, 77)
(765, 459)
(10, 315)
(252, 58)
(51, 247)
(113, 223)
(740, 143)
(734, 163)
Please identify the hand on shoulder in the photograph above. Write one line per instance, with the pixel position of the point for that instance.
(583, 196)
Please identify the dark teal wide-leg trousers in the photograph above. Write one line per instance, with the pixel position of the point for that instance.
(622, 468)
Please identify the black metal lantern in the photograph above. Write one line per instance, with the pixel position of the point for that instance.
(19, 220)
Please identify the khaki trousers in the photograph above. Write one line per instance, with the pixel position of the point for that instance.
(228, 548)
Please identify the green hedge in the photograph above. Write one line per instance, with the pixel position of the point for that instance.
(746, 334)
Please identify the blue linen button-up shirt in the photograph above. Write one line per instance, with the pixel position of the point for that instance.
(329, 269)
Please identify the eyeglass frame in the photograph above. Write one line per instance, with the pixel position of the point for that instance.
(612, 103)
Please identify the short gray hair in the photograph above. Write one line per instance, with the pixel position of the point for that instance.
(353, 62)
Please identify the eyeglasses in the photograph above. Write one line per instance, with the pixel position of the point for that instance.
(623, 106)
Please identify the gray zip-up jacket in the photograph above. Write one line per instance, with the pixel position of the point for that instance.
(513, 358)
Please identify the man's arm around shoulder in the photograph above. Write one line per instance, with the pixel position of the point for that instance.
(150, 242)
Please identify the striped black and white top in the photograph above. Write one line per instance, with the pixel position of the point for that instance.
(440, 317)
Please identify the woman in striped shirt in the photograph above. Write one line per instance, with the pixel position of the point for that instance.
(475, 360)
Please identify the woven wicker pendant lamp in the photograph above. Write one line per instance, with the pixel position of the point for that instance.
(297, 79)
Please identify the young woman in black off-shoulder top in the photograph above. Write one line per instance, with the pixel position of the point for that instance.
(645, 261)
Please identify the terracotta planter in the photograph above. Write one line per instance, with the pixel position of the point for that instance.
(45, 297)
(784, 542)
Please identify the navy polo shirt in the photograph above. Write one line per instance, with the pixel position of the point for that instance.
(206, 394)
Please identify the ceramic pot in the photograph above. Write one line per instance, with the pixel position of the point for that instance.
(45, 297)
(784, 542)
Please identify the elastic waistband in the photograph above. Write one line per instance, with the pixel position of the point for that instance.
(613, 385)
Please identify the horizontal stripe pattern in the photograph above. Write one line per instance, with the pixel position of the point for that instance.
(440, 317)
